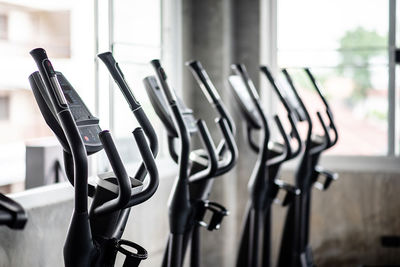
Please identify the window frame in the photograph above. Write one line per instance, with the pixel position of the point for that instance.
(379, 163)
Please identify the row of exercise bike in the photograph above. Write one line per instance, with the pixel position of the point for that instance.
(94, 236)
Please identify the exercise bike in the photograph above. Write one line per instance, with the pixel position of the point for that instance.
(94, 235)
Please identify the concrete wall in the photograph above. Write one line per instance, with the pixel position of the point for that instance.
(347, 222)
(49, 209)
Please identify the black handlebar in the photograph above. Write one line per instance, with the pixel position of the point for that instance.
(123, 180)
(148, 161)
(328, 109)
(162, 78)
(67, 122)
(289, 110)
(79, 248)
(134, 105)
(210, 91)
(12, 213)
(205, 83)
(212, 156)
(179, 204)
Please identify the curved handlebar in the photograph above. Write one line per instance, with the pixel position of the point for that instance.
(265, 70)
(328, 109)
(68, 125)
(162, 78)
(295, 134)
(327, 141)
(119, 78)
(179, 202)
(204, 81)
(232, 148)
(123, 180)
(287, 150)
(148, 160)
(289, 110)
(134, 105)
(211, 154)
(242, 72)
(210, 91)
(298, 98)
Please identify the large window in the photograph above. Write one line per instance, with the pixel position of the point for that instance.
(73, 32)
(133, 33)
(345, 44)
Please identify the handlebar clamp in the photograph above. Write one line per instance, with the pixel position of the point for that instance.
(291, 192)
(218, 213)
(329, 178)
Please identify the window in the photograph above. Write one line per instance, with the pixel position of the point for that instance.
(345, 44)
(134, 36)
(73, 33)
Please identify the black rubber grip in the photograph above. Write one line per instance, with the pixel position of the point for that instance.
(124, 184)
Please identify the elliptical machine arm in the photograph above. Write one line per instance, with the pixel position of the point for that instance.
(79, 250)
(328, 110)
(179, 204)
(134, 105)
(241, 71)
(225, 122)
(291, 116)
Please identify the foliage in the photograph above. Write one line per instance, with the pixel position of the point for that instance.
(357, 48)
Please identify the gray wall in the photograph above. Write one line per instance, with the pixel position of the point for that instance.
(347, 222)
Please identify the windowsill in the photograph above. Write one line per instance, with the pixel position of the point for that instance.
(385, 164)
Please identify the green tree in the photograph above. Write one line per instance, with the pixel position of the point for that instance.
(357, 48)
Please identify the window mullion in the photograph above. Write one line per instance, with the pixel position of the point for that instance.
(392, 79)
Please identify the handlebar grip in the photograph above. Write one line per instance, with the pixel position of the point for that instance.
(49, 78)
(118, 76)
(328, 140)
(204, 81)
(39, 55)
(123, 180)
(240, 69)
(295, 135)
(211, 154)
(231, 144)
(162, 78)
(151, 167)
(286, 138)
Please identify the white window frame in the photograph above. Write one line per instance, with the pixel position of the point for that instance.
(385, 163)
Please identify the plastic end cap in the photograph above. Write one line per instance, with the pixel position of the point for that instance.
(156, 63)
(193, 63)
(38, 53)
(103, 55)
(103, 133)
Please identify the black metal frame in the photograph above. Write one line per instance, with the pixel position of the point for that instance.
(93, 238)
(264, 183)
(189, 197)
(295, 250)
